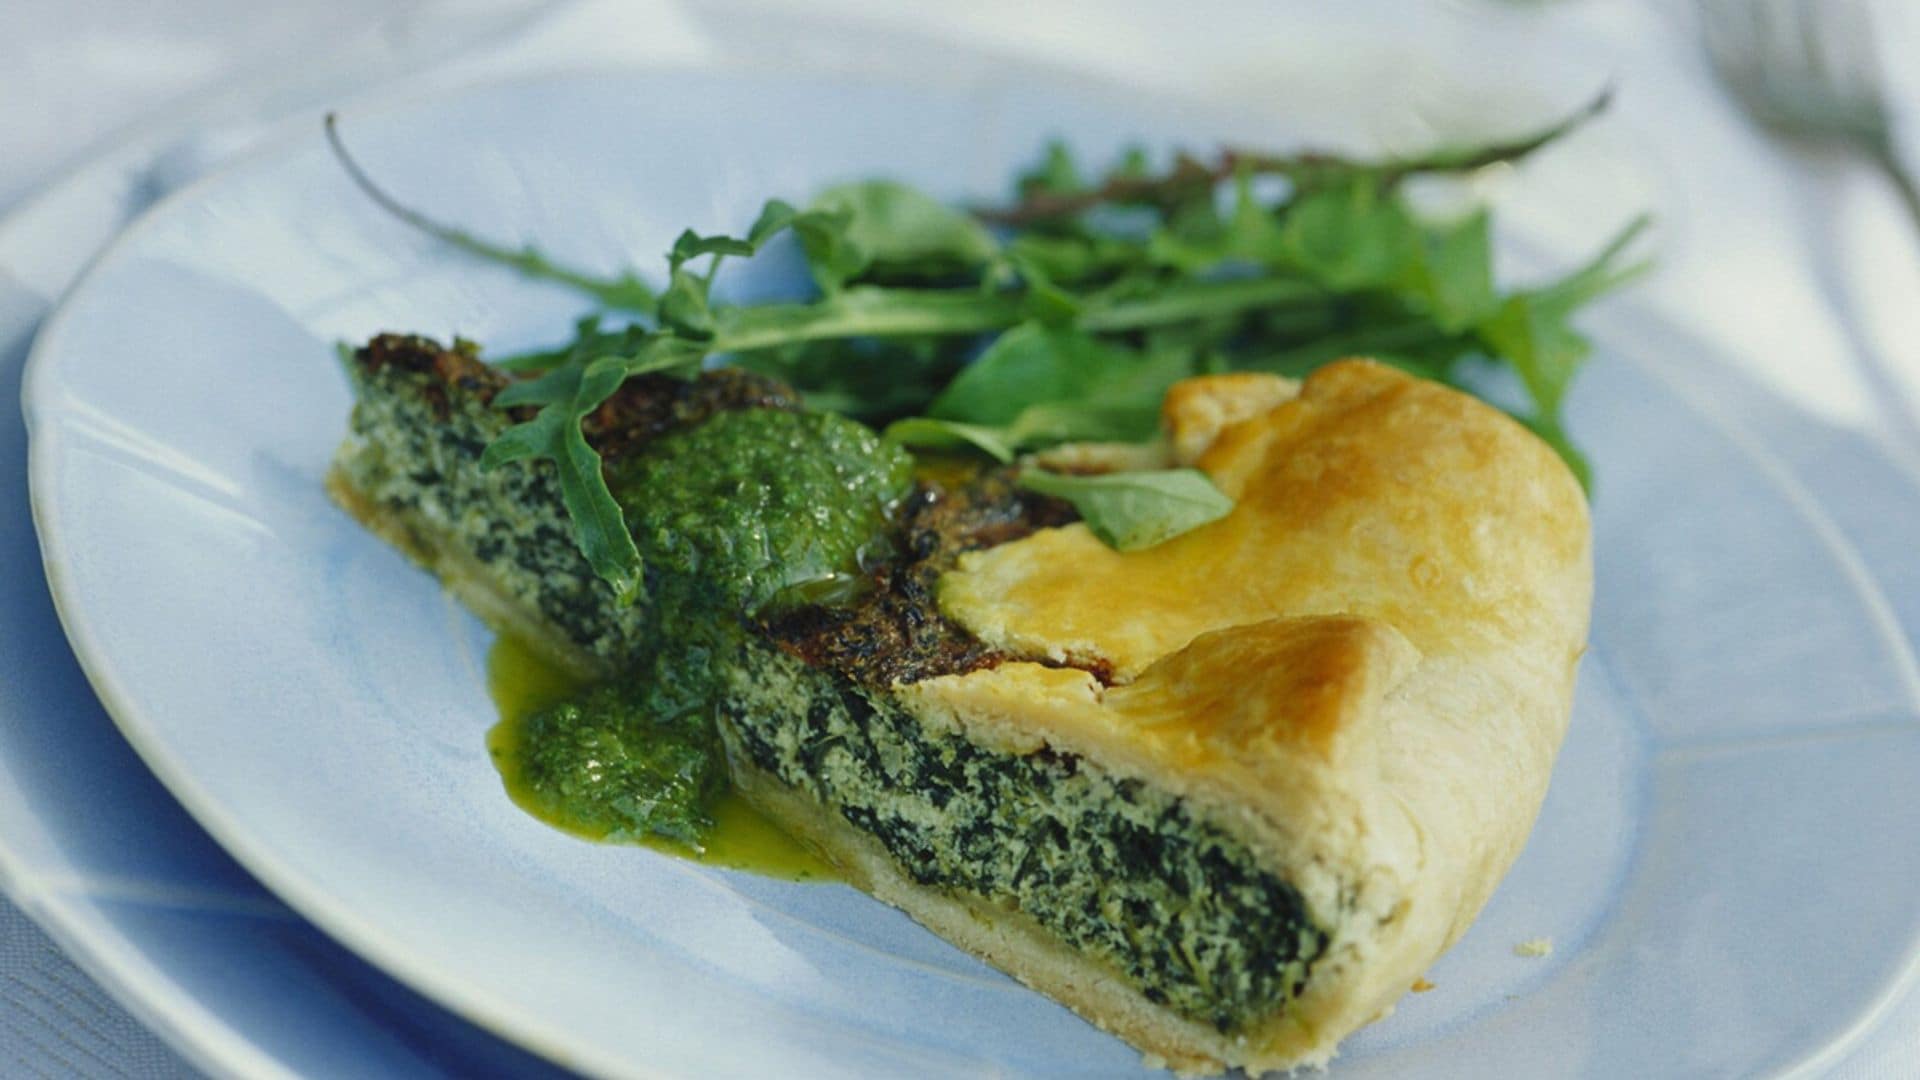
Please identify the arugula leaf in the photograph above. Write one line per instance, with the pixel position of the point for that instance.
(873, 380)
(1185, 301)
(924, 431)
(775, 217)
(864, 311)
(1039, 385)
(566, 395)
(1532, 332)
(859, 311)
(901, 229)
(1198, 238)
(691, 245)
(1351, 236)
(1600, 274)
(1056, 174)
(1410, 343)
(684, 308)
(1452, 279)
(1049, 423)
(1133, 510)
(833, 258)
(1046, 302)
(1074, 259)
(1027, 364)
(1131, 165)
(1051, 384)
(1044, 424)
(883, 229)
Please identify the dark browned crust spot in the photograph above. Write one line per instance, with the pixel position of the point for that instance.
(895, 633)
(649, 406)
(641, 410)
(456, 371)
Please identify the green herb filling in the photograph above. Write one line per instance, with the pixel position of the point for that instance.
(1119, 870)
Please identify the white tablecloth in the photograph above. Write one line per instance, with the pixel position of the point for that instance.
(1792, 258)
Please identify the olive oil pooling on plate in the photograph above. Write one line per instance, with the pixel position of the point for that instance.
(522, 683)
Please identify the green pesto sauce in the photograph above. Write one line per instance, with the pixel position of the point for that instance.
(764, 508)
(740, 838)
(748, 512)
(624, 767)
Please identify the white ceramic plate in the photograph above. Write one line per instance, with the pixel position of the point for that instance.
(1724, 864)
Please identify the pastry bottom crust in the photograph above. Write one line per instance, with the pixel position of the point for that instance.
(1015, 944)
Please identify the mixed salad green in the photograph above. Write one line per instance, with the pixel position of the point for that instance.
(1062, 317)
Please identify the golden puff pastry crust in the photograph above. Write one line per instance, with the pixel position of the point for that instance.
(1365, 671)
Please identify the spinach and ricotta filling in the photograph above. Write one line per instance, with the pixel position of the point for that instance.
(1119, 870)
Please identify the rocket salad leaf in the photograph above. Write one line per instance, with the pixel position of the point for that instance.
(1133, 510)
(891, 231)
(929, 433)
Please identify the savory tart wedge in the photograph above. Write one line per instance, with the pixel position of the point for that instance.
(1227, 796)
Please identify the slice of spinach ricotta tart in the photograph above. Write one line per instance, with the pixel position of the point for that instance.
(1227, 796)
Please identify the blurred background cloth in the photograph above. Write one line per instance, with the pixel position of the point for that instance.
(1793, 257)
(54, 1021)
